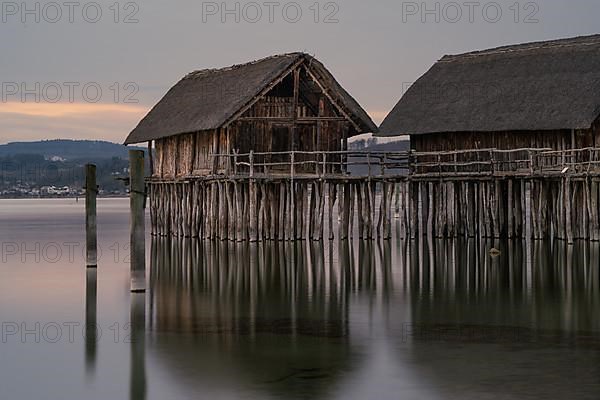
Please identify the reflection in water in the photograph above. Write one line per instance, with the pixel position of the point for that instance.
(277, 313)
(521, 323)
(91, 340)
(465, 283)
(248, 289)
(137, 388)
(298, 320)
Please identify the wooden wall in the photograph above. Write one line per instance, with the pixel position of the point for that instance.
(188, 154)
(268, 126)
(556, 140)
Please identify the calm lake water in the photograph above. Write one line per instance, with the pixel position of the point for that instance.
(361, 320)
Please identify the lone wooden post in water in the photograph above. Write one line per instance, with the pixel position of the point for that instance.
(91, 190)
(137, 243)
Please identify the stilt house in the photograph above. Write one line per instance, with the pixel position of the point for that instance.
(274, 105)
(536, 95)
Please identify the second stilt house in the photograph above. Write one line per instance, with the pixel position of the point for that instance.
(535, 95)
(505, 142)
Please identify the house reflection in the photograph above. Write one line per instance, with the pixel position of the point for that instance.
(520, 319)
(278, 314)
(547, 286)
(302, 320)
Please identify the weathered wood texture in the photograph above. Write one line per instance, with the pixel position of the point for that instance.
(260, 209)
(521, 193)
(295, 209)
(91, 191)
(296, 114)
(555, 140)
(137, 194)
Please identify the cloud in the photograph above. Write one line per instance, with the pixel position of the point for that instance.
(35, 121)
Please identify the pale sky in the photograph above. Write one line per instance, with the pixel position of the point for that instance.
(59, 68)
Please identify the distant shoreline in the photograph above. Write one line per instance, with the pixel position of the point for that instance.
(116, 196)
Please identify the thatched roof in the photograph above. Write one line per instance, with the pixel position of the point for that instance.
(207, 99)
(537, 86)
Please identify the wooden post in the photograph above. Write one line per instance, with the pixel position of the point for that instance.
(359, 210)
(282, 211)
(292, 193)
(312, 210)
(451, 210)
(430, 211)
(420, 207)
(568, 210)
(222, 199)
(91, 190)
(396, 200)
(235, 162)
(151, 158)
(138, 238)
(345, 213)
(252, 211)
(510, 209)
(388, 189)
(594, 210)
(351, 216)
(261, 211)
(528, 216)
(403, 209)
(273, 209)
(495, 194)
(368, 209)
(412, 203)
(441, 205)
(331, 203)
(344, 156)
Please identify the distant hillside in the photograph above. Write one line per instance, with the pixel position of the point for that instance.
(68, 150)
(29, 167)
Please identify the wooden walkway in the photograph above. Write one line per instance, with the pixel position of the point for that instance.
(522, 193)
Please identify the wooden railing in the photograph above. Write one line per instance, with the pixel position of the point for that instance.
(320, 163)
(480, 161)
(523, 161)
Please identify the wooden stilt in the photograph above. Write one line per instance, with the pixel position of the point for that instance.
(360, 210)
(510, 209)
(430, 210)
(91, 190)
(568, 210)
(138, 235)
(252, 211)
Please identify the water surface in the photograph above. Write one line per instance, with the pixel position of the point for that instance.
(332, 320)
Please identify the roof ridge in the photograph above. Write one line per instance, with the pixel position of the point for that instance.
(202, 72)
(530, 46)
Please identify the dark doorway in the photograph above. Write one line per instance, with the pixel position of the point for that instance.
(280, 142)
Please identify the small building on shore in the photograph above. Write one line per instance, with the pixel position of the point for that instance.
(536, 95)
(283, 103)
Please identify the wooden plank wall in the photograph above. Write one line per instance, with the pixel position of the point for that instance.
(556, 140)
(189, 154)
